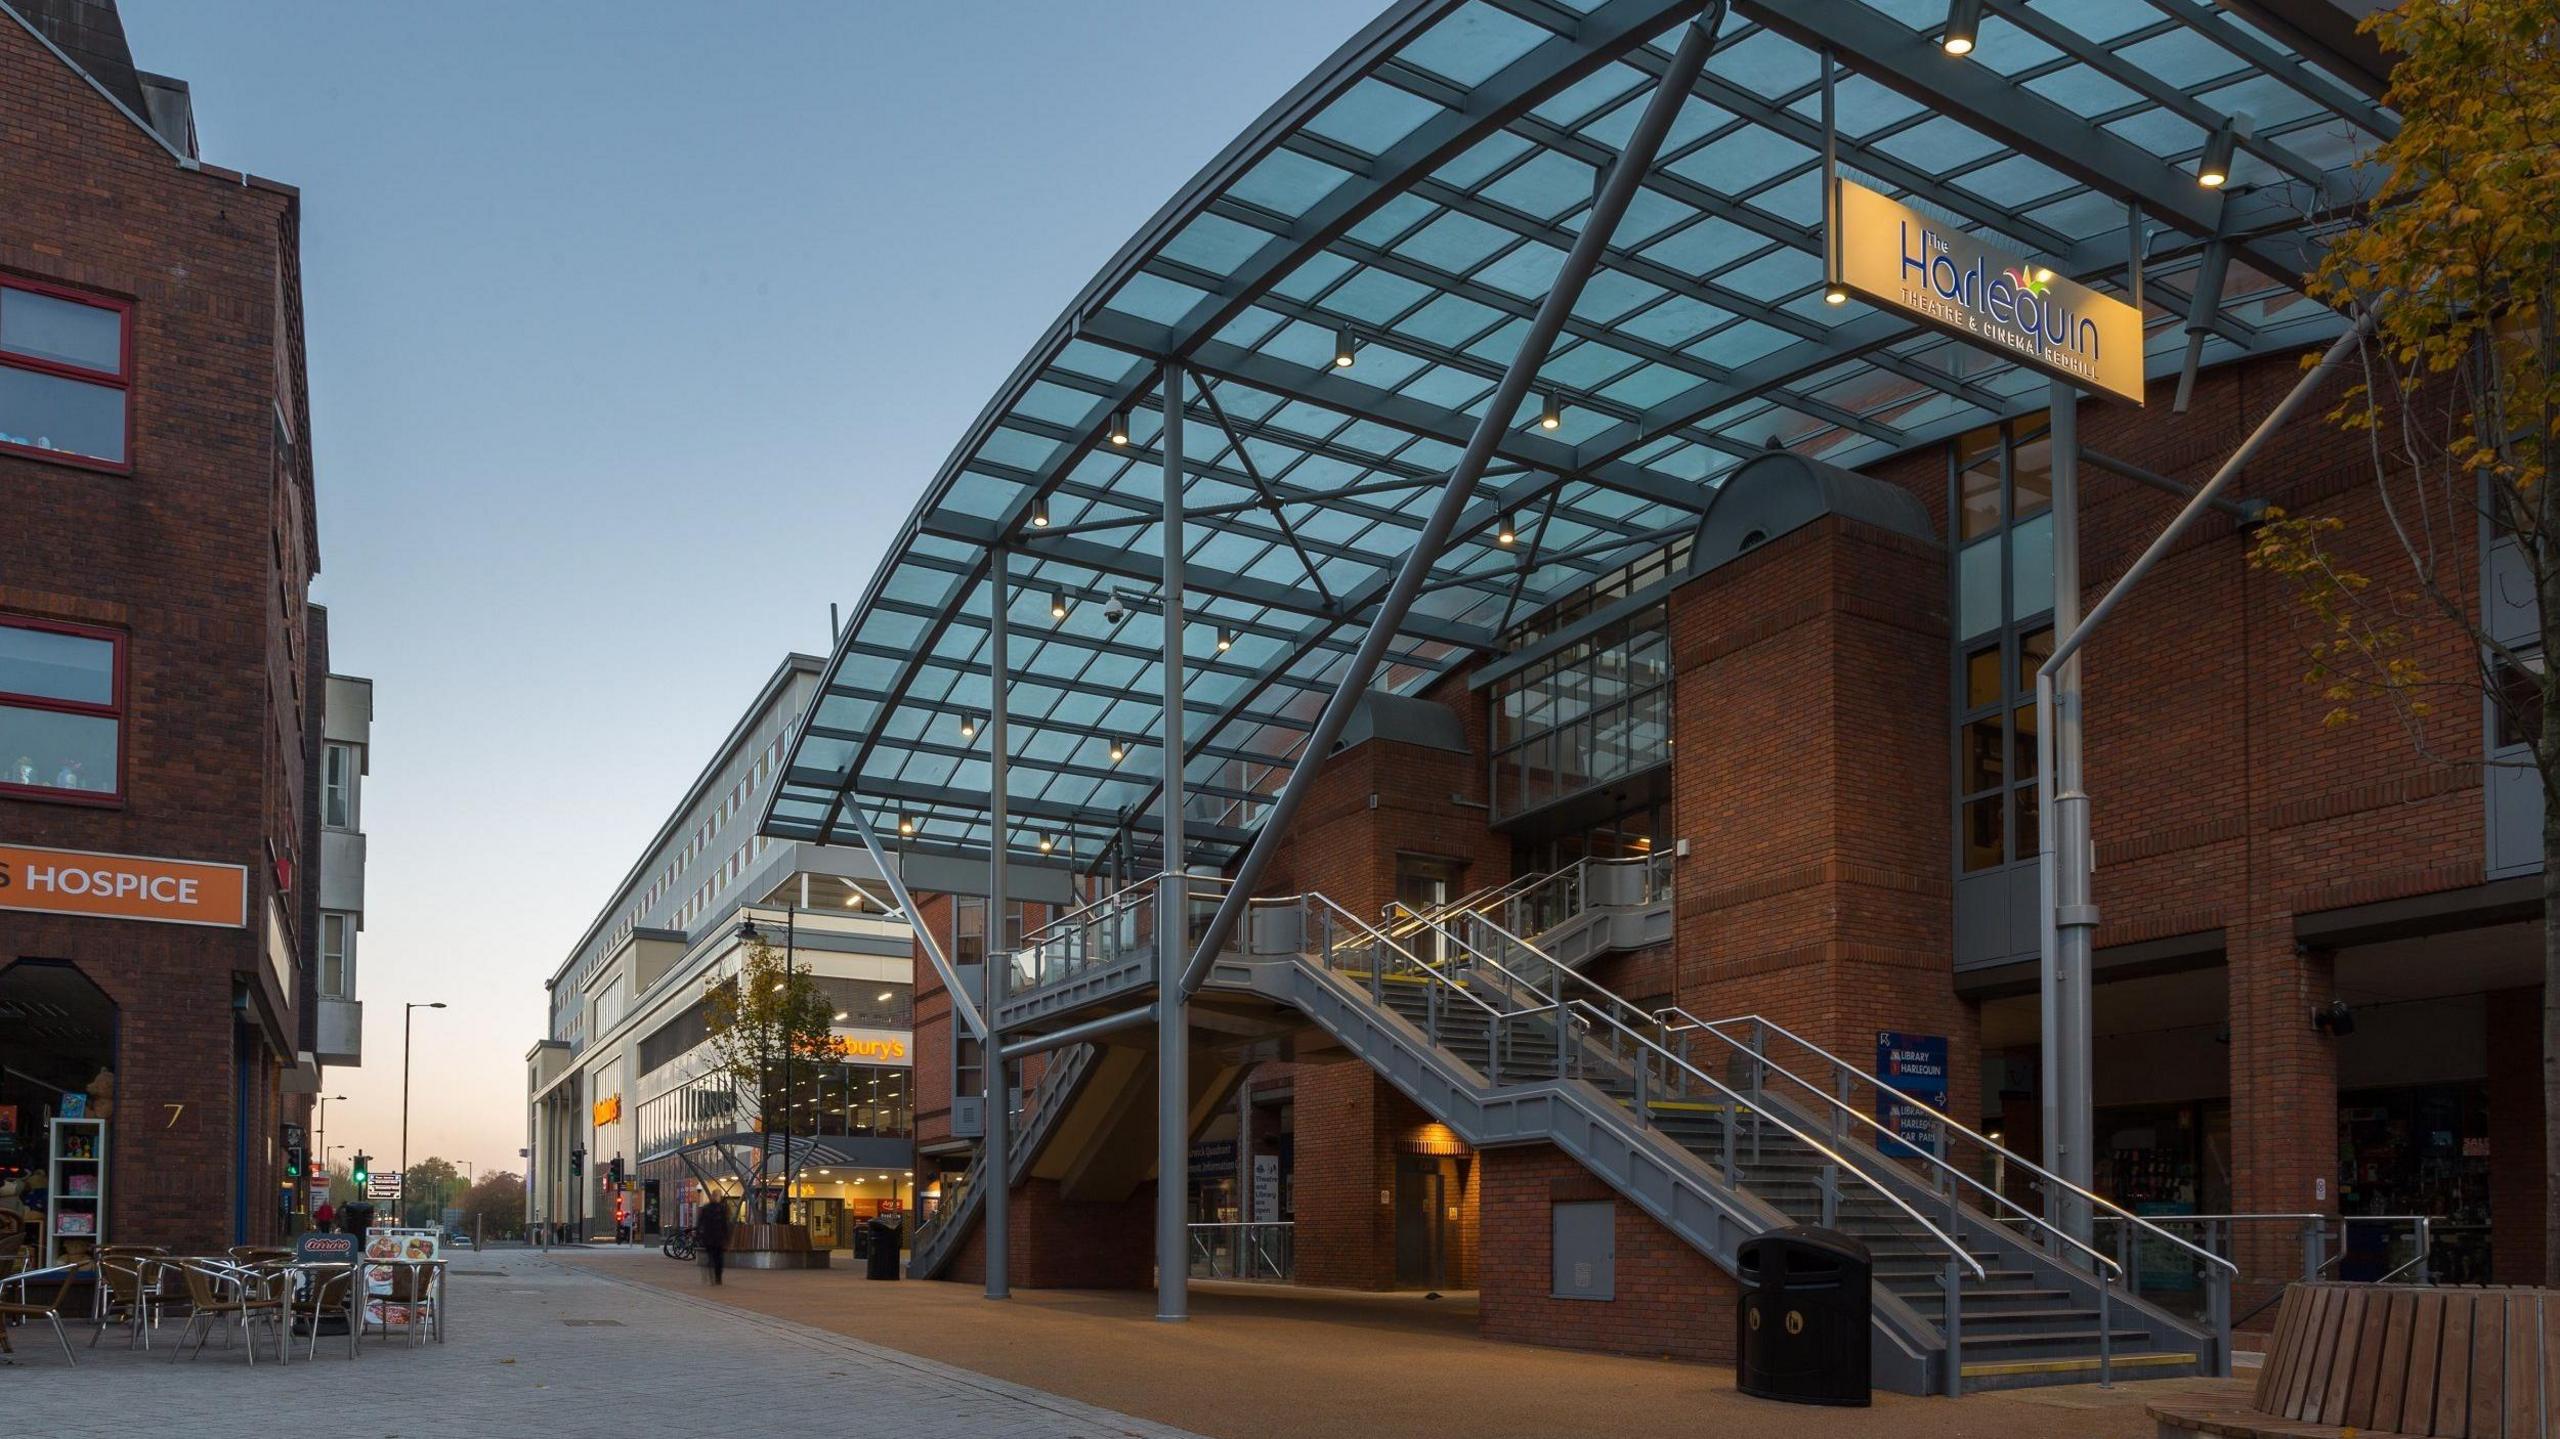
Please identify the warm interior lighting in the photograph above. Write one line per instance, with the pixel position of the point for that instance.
(906, 824)
(1057, 604)
(1835, 295)
(1964, 25)
(1047, 844)
(1551, 414)
(968, 725)
(1040, 513)
(1504, 532)
(1226, 640)
(1342, 355)
(1119, 751)
(1120, 427)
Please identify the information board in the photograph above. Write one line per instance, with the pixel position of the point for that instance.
(1915, 1064)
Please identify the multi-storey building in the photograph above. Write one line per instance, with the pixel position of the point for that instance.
(1591, 644)
(629, 1111)
(166, 706)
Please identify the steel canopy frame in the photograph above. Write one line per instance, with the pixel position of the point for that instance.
(1306, 528)
(1619, 189)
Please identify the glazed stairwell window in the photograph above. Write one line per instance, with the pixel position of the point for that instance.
(61, 711)
(66, 372)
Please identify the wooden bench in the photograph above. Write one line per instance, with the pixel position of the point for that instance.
(2392, 1359)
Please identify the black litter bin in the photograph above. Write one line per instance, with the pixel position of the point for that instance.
(882, 1261)
(1805, 1319)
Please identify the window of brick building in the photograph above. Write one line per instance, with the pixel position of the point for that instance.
(66, 365)
(2001, 489)
(61, 711)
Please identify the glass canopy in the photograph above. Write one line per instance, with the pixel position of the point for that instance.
(1411, 201)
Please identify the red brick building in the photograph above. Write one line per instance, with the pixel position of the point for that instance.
(162, 673)
(1516, 390)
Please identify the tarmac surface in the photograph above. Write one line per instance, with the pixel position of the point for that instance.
(536, 1346)
(1273, 1362)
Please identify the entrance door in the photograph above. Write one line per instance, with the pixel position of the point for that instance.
(825, 1218)
(1426, 884)
(1425, 1188)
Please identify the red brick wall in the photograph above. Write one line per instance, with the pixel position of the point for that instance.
(202, 555)
(1069, 1244)
(1671, 1301)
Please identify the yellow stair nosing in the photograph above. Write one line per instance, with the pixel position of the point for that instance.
(1996, 1368)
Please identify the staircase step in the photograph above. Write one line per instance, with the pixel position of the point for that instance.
(2071, 1339)
(2075, 1365)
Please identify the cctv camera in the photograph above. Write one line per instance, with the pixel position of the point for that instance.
(1114, 611)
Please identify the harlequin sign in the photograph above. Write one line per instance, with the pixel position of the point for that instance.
(1894, 256)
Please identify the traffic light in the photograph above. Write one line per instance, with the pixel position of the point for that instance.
(578, 1160)
(293, 1161)
(613, 1170)
(361, 1171)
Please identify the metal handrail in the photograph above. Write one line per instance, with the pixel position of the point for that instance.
(1956, 1126)
(1954, 1248)
(1940, 1162)
(1379, 937)
(1099, 913)
(1712, 1083)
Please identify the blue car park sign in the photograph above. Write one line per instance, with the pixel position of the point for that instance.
(1915, 1064)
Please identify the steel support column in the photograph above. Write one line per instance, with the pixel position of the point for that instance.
(996, 1207)
(1670, 92)
(2067, 859)
(2066, 917)
(1173, 1051)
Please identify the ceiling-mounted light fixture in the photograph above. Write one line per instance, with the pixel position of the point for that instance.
(1551, 414)
(1505, 533)
(968, 725)
(1226, 640)
(1835, 294)
(1342, 356)
(1057, 604)
(1119, 427)
(1040, 513)
(1047, 844)
(1119, 749)
(2213, 168)
(906, 824)
(1964, 26)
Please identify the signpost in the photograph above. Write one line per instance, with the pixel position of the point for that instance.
(1916, 1064)
(384, 1185)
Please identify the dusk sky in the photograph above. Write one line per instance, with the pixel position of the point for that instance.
(635, 328)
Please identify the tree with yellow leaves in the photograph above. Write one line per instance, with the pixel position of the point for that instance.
(2458, 260)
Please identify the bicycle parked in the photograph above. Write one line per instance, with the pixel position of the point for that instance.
(678, 1244)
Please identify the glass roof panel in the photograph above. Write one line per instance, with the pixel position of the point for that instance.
(1701, 337)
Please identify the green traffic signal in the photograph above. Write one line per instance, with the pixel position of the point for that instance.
(362, 1173)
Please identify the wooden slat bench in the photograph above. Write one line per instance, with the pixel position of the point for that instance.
(2391, 1359)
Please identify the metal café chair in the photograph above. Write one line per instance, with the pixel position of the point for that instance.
(127, 1292)
(24, 1308)
(326, 1290)
(218, 1294)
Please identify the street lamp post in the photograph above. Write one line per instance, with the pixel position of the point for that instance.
(406, 1011)
(320, 1136)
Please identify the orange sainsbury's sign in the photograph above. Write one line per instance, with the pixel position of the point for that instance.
(123, 886)
(870, 1047)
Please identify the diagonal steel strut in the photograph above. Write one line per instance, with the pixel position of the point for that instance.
(1624, 176)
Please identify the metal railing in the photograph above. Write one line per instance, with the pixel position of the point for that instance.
(1266, 1249)
(2324, 1243)
(1598, 1035)
(1558, 898)
(2217, 1271)
(1106, 932)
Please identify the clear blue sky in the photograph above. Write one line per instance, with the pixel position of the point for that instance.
(634, 330)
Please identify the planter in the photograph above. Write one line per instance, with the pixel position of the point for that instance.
(774, 1246)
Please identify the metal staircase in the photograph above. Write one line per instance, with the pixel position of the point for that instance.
(1574, 914)
(936, 1240)
(1720, 1130)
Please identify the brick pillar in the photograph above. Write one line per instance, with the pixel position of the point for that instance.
(2284, 1099)
(1346, 1235)
(2518, 1168)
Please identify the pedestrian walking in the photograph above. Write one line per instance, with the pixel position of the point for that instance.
(325, 1217)
(711, 1234)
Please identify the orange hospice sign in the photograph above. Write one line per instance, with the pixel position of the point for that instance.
(123, 886)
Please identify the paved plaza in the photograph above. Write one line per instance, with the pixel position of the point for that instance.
(539, 1346)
